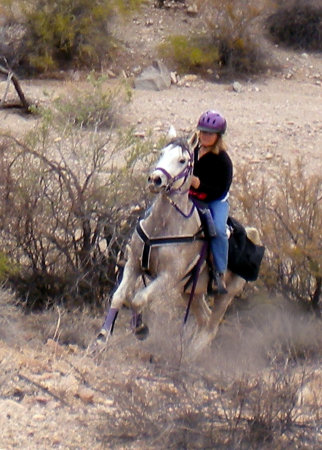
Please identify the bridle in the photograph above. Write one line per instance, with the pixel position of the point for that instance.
(184, 174)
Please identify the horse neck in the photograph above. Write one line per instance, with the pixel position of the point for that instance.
(166, 217)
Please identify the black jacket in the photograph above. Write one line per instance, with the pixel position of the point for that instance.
(215, 173)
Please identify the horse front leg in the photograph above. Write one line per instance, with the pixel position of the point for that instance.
(160, 286)
(121, 296)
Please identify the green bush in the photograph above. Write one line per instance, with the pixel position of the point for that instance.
(298, 25)
(190, 54)
(7, 268)
(60, 33)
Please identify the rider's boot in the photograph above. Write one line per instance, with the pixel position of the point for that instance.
(217, 283)
(221, 285)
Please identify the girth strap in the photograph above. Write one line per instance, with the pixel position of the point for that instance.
(157, 242)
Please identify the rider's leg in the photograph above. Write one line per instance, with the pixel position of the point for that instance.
(219, 243)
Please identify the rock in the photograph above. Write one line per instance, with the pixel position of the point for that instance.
(237, 87)
(86, 394)
(192, 10)
(187, 79)
(11, 410)
(174, 77)
(154, 78)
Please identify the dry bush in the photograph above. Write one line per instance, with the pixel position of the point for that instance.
(289, 218)
(194, 411)
(234, 30)
(62, 34)
(229, 45)
(243, 392)
(67, 206)
(297, 24)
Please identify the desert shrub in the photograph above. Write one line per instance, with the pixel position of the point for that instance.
(7, 268)
(232, 25)
(68, 205)
(196, 411)
(57, 34)
(93, 106)
(229, 46)
(289, 218)
(298, 24)
(190, 54)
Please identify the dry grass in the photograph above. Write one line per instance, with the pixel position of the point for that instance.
(250, 390)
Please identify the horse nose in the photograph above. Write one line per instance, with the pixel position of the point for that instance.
(155, 179)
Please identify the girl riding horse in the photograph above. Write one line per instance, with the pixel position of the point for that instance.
(212, 177)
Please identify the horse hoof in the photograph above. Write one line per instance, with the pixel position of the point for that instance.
(102, 336)
(141, 332)
(100, 342)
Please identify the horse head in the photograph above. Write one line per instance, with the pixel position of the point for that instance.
(173, 168)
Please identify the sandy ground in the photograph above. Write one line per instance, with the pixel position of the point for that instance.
(270, 120)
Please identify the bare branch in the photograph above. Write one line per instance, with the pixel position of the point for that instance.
(12, 77)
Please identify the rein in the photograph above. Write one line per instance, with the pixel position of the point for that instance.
(176, 207)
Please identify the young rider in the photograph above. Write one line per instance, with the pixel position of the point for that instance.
(212, 177)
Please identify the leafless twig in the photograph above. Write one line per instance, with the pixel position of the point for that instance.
(12, 77)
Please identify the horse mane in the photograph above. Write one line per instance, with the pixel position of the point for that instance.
(181, 142)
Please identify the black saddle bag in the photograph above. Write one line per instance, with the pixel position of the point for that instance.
(244, 257)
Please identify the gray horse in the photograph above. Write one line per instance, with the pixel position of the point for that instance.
(167, 252)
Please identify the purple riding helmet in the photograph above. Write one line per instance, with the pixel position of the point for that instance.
(212, 122)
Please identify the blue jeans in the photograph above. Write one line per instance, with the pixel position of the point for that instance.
(219, 244)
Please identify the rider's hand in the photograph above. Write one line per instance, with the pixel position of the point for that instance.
(195, 182)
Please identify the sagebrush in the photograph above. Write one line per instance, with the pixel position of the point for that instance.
(68, 205)
(64, 34)
(289, 217)
(297, 24)
(228, 44)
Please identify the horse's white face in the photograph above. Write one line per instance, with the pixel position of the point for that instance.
(172, 169)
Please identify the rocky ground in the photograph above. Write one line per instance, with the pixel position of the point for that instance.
(53, 394)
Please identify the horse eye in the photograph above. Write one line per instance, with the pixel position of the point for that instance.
(182, 161)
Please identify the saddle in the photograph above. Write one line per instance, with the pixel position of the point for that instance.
(244, 256)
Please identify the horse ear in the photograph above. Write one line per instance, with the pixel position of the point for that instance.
(172, 133)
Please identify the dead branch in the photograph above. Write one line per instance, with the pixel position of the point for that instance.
(12, 77)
